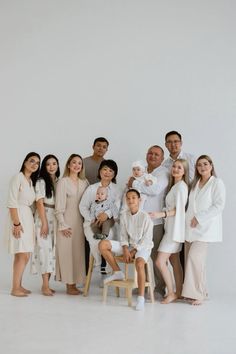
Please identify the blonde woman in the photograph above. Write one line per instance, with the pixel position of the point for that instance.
(174, 215)
(70, 257)
(203, 226)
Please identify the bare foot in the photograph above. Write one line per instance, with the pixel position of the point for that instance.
(169, 298)
(196, 302)
(26, 291)
(53, 291)
(72, 290)
(47, 292)
(18, 293)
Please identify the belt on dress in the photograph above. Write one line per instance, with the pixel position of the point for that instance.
(49, 205)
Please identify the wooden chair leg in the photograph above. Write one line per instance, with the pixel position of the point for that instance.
(89, 275)
(105, 289)
(117, 291)
(149, 280)
(129, 291)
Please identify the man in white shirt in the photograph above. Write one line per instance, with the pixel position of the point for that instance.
(155, 201)
(173, 143)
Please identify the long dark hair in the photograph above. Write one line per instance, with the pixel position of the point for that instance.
(46, 176)
(34, 175)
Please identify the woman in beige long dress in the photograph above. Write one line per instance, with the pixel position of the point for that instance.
(70, 257)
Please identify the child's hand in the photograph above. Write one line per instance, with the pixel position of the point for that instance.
(132, 253)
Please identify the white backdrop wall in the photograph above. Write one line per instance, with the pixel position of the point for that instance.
(129, 70)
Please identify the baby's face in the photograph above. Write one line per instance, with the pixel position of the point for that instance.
(137, 172)
(101, 194)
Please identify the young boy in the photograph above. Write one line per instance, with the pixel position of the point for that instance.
(101, 205)
(136, 230)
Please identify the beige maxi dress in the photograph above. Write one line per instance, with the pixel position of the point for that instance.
(70, 257)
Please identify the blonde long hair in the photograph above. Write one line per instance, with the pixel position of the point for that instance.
(197, 176)
(185, 177)
(66, 173)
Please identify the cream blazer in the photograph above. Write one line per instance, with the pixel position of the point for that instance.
(206, 204)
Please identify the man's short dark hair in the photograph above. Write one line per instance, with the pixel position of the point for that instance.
(173, 132)
(102, 140)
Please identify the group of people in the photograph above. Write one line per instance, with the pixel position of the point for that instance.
(165, 205)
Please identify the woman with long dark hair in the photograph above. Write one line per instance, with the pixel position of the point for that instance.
(20, 231)
(43, 259)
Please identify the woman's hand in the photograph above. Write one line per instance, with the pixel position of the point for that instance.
(101, 218)
(17, 231)
(44, 230)
(156, 214)
(194, 222)
(67, 232)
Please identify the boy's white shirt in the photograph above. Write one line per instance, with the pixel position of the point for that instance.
(136, 230)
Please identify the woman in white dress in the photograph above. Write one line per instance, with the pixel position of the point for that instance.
(43, 259)
(70, 255)
(203, 226)
(174, 215)
(20, 232)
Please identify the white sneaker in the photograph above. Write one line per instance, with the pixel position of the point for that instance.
(140, 303)
(118, 275)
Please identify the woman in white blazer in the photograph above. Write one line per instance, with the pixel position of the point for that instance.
(203, 225)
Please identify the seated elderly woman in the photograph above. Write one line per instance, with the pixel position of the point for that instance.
(107, 173)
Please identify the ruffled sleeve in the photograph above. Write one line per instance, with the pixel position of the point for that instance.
(60, 205)
(13, 193)
(40, 189)
(179, 218)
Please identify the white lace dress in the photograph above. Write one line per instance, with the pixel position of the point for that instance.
(43, 258)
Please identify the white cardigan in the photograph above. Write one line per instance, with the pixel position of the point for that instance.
(206, 204)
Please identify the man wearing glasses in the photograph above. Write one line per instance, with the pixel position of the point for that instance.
(173, 143)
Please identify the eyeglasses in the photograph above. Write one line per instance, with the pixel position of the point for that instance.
(34, 162)
(173, 142)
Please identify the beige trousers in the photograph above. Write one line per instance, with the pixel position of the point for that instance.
(158, 232)
(194, 286)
